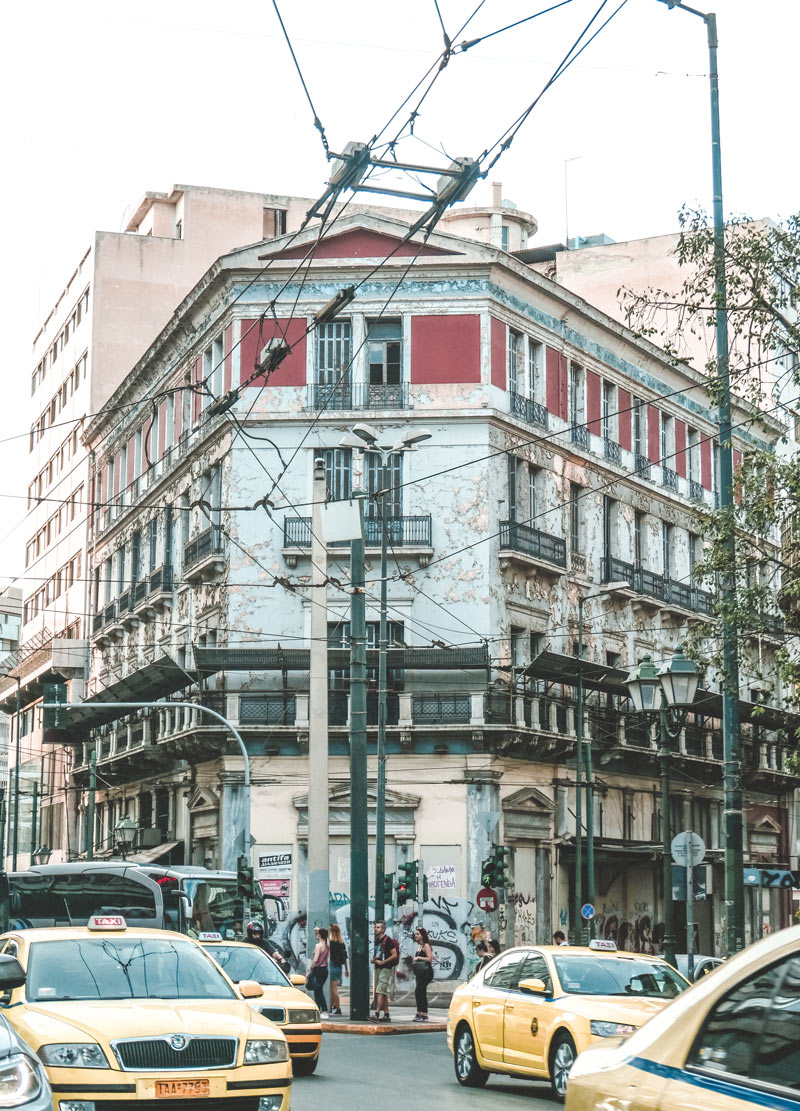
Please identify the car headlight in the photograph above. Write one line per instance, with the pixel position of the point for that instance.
(611, 1029)
(265, 1052)
(311, 1014)
(19, 1081)
(74, 1055)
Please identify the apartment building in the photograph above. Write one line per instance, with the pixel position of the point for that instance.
(563, 462)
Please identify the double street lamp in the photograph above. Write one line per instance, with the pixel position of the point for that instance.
(669, 694)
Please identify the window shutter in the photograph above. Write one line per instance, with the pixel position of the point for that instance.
(680, 448)
(593, 402)
(624, 419)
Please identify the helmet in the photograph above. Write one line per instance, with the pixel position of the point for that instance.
(255, 929)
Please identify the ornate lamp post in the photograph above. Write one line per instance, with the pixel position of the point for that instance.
(125, 830)
(669, 693)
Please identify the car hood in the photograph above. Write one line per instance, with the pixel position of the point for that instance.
(609, 1008)
(285, 996)
(71, 1021)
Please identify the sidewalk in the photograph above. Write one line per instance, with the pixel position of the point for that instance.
(402, 1021)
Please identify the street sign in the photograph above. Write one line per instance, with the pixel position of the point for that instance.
(487, 899)
(688, 849)
(587, 911)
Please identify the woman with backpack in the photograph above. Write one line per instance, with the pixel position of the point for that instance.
(422, 967)
(338, 961)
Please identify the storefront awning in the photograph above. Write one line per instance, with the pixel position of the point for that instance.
(211, 660)
(149, 856)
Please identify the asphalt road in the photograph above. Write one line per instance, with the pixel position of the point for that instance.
(363, 1072)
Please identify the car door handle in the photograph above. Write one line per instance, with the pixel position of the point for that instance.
(509, 1006)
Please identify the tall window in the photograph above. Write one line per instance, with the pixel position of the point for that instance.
(609, 525)
(514, 354)
(576, 394)
(108, 576)
(693, 454)
(535, 361)
(575, 505)
(638, 413)
(338, 471)
(136, 556)
(667, 441)
(667, 538)
(638, 538)
(153, 541)
(534, 478)
(609, 411)
(332, 370)
(394, 496)
(123, 475)
(168, 537)
(513, 491)
(120, 569)
(695, 550)
(384, 362)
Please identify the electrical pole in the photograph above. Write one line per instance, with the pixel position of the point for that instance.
(318, 851)
(359, 868)
(15, 843)
(383, 645)
(90, 805)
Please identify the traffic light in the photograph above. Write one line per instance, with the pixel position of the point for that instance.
(244, 879)
(53, 692)
(424, 898)
(500, 856)
(487, 873)
(407, 882)
(388, 889)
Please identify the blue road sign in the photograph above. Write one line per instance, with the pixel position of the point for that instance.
(587, 911)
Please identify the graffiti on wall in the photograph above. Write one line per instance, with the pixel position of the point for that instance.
(524, 918)
(636, 932)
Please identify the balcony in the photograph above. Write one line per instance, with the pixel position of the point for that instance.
(540, 549)
(664, 593)
(203, 557)
(669, 479)
(139, 592)
(441, 709)
(334, 397)
(579, 434)
(385, 397)
(267, 709)
(612, 451)
(412, 534)
(641, 465)
(695, 490)
(160, 586)
(532, 412)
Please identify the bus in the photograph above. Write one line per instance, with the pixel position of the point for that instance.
(186, 898)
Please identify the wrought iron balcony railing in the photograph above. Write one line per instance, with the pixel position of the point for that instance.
(612, 451)
(532, 412)
(203, 545)
(669, 479)
(579, 434)
(653, 585)
(533, 542)
(695, 490)
(402, 532)
(642, 464)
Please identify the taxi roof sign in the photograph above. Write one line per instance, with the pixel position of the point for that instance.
(107, 922)
(209, 935)
(604, 944)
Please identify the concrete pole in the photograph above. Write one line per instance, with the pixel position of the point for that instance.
(383, 645)
(90, 805)
(318, 850)
(359, 868)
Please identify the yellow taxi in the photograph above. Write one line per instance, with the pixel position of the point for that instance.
(144, 1017)
(731, 1043)
(532, 1010)
(282, 1002)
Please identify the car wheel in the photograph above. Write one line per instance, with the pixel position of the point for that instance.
(468, 1071)
(304, 1066)
(562, 1058)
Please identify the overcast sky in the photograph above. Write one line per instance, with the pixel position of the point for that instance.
(104, 100)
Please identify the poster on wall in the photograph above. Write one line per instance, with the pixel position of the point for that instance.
(441, 879)
(274, 873)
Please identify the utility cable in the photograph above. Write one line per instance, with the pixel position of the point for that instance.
(317, 122)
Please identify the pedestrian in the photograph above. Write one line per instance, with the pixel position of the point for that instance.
(318, 972)
(494, 948)
(385, 957)
(422, 967)
(559, 938)
(338, 961)
(483, 955)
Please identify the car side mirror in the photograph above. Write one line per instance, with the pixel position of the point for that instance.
(12, 974)
(533, 987)
(250, 989)
(297, 981)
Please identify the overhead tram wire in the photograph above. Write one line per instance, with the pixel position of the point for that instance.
(317, 122)
(462, 47)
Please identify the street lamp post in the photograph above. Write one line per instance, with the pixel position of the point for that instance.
(365, 438)
(584, 756)
(125, 829)
(15, 829)
(676, 684)
(732, 768)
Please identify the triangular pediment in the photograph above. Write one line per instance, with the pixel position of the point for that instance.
(339, 797)
(359, 242)
(766, 824)
(203, 798)
(528, 798)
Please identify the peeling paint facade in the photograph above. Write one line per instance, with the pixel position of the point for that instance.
(563, 461)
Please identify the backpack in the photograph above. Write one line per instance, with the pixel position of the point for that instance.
(338, 953)
(390, 951)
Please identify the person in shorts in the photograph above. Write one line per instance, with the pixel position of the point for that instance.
(338, 961)
(385, 959)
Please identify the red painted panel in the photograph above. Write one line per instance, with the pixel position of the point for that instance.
(498, 352)
(552, 384)
(653, 434)
(162, 428)
(227, 349)
(593, 402)
(255, 335)
(131, 460)
(361, 243)
(446, 348)
(680, 448)
(705, 462)
(624, 419)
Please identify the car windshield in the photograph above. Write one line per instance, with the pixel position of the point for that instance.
(247, 963)
(122, 968)
(585, 975)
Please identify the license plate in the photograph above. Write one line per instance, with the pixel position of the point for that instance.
(181, 1089)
